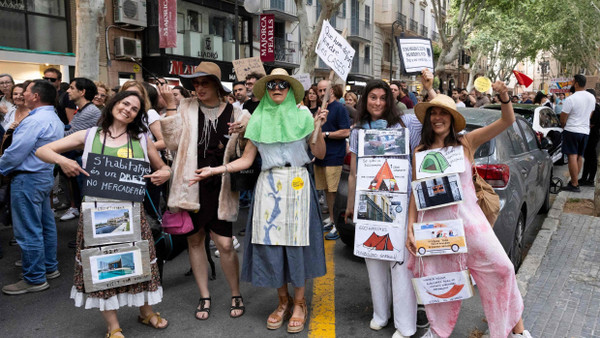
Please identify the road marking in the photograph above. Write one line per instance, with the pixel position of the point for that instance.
(322, 314)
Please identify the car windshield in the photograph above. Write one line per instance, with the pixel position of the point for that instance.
(526, 113)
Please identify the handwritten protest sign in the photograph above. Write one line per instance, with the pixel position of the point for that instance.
(335, 51)
(115, 177)
(243, 67)
(379, 242)
(304, 78)
(445, 287)
(415, 54)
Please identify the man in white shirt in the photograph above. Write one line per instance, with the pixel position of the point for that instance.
(575, 119)
(456, 97)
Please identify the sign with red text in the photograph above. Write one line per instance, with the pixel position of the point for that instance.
(267, 37)
(335, 51)
(442, 288)
(167, 23)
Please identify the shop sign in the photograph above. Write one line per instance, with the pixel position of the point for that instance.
(179, 68)
(267, 37)
(209, 50)
(167, 23)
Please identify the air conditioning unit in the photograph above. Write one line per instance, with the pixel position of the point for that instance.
(130, 12)
(126, 48)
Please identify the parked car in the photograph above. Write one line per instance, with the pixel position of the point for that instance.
(545, 123)
(515, 164)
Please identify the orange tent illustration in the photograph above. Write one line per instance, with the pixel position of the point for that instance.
(384, 180)
(382, 243)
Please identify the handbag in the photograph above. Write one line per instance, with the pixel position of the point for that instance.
(487, 199)
(177, 223)
(245, 179)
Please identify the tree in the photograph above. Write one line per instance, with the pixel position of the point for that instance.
(310, 33)
(89, 18)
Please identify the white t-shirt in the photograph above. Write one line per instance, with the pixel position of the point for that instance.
(579, 106)
(460, 104)
(153, 116)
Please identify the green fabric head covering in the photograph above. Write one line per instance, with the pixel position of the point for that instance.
(279, 123)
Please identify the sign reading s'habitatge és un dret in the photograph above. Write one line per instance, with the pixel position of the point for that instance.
(115, 177)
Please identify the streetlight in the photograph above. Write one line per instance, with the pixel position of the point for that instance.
(544, 64)
(399, 23)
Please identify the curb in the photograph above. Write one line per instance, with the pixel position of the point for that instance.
(540, 245)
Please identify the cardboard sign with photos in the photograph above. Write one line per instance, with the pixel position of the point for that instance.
(440, 237)
(111, 222)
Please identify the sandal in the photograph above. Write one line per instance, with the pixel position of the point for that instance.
(285, 306)
(148, 321)
(112, 333)
(299, 328)
(237, 300)
(201, 304)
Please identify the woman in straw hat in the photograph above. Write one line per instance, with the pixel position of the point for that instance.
(284, 240)
(486, 260)
(390, 281)
(204, 131)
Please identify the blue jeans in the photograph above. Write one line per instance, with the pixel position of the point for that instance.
(34, 225)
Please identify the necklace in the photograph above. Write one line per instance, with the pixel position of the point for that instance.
(211, 119)
(109, 134)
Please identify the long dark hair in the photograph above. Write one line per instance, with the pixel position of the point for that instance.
(392, 115)
(428, 136)
(307, 101)
(136, 127)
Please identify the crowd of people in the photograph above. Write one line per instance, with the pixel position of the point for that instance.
(268, 145)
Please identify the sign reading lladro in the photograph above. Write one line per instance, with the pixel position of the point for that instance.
(116, 177)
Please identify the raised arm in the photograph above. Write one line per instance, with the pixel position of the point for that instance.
(481, 135)
(427, 82)
(319, 148)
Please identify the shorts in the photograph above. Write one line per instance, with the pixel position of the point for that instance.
(327, 178)
(573, 143)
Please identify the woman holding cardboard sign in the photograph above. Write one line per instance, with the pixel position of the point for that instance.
(121, 134)
(486, 259)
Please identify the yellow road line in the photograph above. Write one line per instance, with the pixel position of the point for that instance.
(322, 314)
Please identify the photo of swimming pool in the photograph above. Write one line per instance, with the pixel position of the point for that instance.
(115, 266)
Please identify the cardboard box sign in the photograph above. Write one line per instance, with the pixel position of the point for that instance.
(445, 287)
(440, 237)
(116, 177)
(115, 265)
(113, 222)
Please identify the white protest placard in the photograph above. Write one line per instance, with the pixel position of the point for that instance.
(440, 161)
(243, 67)
(442, 288)
(379, 242)
(440, 237)
(335, 51)
(304, 79)
(416, 54)
(382, 174)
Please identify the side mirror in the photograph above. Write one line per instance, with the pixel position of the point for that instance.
(546, 143)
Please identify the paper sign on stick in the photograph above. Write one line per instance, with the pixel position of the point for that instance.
(335, 51)
(243, 67)
(304, 79)
(416, 54)
(440, 161)
(442, 288)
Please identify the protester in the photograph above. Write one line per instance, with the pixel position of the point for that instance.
(280, 131)
(559, 103)
(486, 260)
(514, 99)
(456, 98)
(542, 100)
(253, 102)
(590, 156)
(32, 216)
(240, 94)
(351, 99)
(199, 131)
(395, 88)
(390, 282)
(410, 94)
(526, 99)
(328, 170)
(18, 110)
(575, 119)
(477, 99)
(312, 100)
(6, 83)
(121, 130)
(102, 96)
(65, 108)
(180, 93)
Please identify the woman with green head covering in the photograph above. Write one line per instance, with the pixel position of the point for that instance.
(284, 240)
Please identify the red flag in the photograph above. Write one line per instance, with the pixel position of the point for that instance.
(523, 79)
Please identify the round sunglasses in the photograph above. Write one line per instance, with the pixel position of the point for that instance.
(271, 85)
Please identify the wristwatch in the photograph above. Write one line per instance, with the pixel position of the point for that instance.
(326, 134)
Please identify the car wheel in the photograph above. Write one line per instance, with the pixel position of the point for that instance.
(556, 185)
(454, 247)
(422, 251)
(516, 252)
(546, 206)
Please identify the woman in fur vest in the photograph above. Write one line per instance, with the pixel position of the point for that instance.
(284, 240)
(203, 131)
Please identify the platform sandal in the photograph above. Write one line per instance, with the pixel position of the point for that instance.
(285, 305)
(296, 329)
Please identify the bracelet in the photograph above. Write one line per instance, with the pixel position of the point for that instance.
(504, 102)
(226, 170)
(171, 109)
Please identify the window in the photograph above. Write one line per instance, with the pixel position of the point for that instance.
(548, 119)
(422, 16)
(309, 2)
(516, 140)
(386, 52)
(412, 10)
(367, 55)
(367, 15)
(530, 136)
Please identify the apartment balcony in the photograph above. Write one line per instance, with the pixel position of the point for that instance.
(360, 31)
(286, 53)
(386, 18)
(282, 9)
(401, 18)
(362, 66)
(414, 26)
(424, 31)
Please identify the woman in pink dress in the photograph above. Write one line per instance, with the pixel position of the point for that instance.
(486, 260)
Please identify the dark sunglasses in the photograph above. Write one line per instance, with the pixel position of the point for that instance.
(51, 79)
(271, 85)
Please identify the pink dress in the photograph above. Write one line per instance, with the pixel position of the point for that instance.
(486, 260)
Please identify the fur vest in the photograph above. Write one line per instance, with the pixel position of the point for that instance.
(180, 133)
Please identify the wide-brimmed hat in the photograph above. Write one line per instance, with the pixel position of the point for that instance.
(445, 102)
(205, 68)
(278, 74)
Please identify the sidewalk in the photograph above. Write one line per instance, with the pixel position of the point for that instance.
(560, 278)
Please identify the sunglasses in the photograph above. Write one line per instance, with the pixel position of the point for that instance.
(51, 79)
(272, 85)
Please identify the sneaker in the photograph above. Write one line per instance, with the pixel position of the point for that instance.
(586, 183)
(525, 334)
(327, 224)
(51, 275)
(571, 187)
(422, 321)
(22, 287)
(333, 235)
(12, 242)
(397, 334)
(19, 263)
(70, 214)
(55, 200)
(374, 326)
(430, 334)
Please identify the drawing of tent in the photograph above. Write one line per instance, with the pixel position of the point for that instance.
(434, 162)
(384, 180)
(380, 243)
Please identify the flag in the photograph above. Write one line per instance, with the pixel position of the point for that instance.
(523, 79)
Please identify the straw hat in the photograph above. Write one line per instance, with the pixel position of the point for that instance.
(278, 74)
(445, 102)
(205, 68)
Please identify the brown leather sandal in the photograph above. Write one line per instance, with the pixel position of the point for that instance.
(299, 328)
(148, 321)
(112, 333)
(285, 306)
